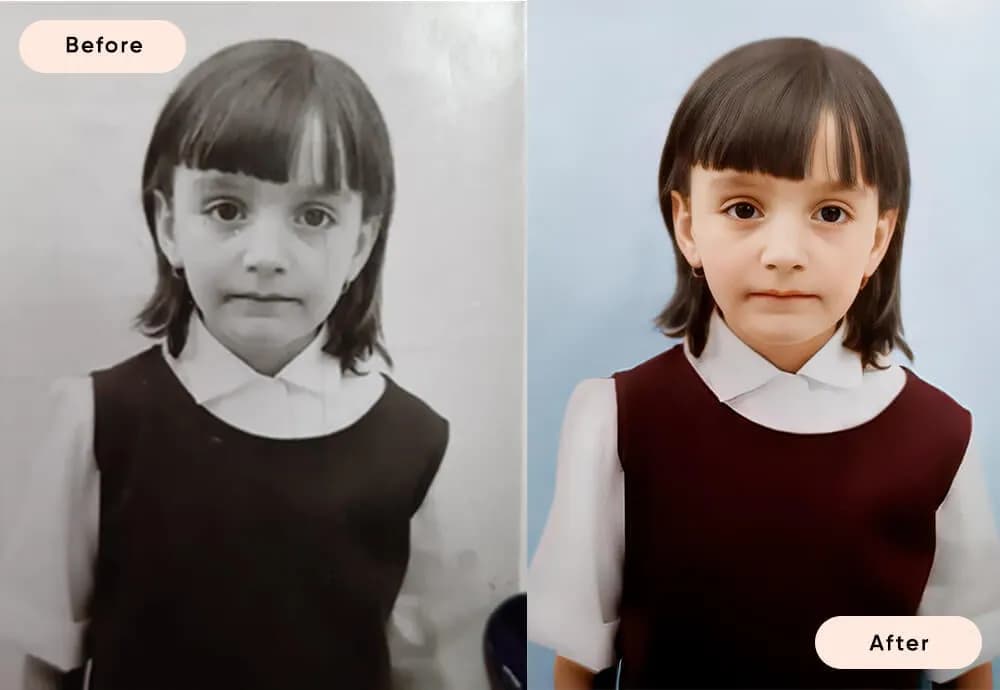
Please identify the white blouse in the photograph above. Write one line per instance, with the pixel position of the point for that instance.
(46, 574)
(575, 579)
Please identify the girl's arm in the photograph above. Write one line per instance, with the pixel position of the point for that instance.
(575, 579)
(978, 678)
(427, 606)
(569, 675)
(46, 569)
(37, 675)
(965, 575)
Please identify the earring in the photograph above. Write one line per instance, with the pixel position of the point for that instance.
(697, 271)
(177, 272)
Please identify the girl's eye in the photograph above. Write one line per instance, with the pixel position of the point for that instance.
(226, 211)
(833, 214)
(743, 210)
(316, 218)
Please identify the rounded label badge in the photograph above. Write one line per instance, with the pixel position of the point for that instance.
(898, 642)
(102, 46)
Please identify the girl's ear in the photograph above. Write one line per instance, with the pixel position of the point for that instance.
(683, 235)
(884, 230)
(165, 228)
(366, 242)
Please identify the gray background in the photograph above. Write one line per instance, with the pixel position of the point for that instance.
(78, 262)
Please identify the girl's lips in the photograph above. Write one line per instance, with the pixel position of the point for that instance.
(261, 297)
(783, 294)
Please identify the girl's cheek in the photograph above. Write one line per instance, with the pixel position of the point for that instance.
(727, 255)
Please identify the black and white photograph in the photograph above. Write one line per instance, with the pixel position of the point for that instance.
(262, 379)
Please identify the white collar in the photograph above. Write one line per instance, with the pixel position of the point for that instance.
(731, 368)
(209, 370)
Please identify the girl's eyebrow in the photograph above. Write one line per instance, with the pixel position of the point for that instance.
(840, 187)
(726, 182)
(214, 183)
(322, 192)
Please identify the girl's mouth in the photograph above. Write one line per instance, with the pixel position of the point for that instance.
(783, 294)
(262, 297)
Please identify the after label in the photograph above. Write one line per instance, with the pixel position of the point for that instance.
(897, 643)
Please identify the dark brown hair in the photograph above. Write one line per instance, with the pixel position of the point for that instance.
(757, 109)
(243, 110)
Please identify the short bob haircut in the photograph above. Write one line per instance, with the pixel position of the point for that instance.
(757, 109)
(245, 110)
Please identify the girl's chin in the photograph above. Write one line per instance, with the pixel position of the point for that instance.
(786, 331)
(262, 332)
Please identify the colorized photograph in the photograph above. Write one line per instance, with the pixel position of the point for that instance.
(760, 342)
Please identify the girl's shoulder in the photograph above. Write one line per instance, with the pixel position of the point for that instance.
(152, 356)
(67, 400)
(127, 386)
(592, 410)
(595, 390)
(932, 403)
(657, 375)
(929, 393)
(403, 401)
(592, 396)
(71, 390)
(59, 409)
(401, 410)
(671, 357)
(594, 399)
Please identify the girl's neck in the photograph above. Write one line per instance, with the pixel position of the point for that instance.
(267, 361)
(791, 358)
(270, 362)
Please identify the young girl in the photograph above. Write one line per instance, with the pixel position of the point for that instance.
(717, 503)
(231, 509)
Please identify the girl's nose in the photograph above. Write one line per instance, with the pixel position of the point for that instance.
(784, 247)
(264, 251)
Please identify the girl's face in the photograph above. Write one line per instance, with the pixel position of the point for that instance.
(265, 262)
(784, 259)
